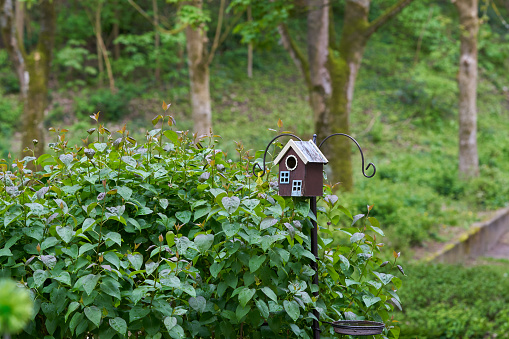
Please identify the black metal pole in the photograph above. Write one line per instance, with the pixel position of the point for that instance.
(314, 264)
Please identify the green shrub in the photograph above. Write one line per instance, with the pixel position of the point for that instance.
(167, 239)
(446, 301)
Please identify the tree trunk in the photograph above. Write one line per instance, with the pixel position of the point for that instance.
(249, 47)
(33, 69)
(344, 64)
(196, 40)
(20, 20)
(157, 73)
(332, 70)
(467, 83)
(320, 87)
(116, 31)
(98, 32)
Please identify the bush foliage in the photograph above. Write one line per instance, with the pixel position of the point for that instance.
(171, 239)
(458, 303)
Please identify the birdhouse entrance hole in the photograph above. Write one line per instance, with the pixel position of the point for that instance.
(291, 162)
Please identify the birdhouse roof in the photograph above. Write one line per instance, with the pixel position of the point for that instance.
(306, 150)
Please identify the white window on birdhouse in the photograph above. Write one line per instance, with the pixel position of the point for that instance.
(284, 177)
(296, 188)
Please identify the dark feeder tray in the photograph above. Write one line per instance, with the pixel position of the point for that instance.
(357, 327)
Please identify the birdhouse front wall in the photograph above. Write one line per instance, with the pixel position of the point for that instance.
(291, 180)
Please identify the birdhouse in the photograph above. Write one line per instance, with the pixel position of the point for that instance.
(300, 169)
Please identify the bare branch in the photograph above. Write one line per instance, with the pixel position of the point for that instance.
(156, 25)
(295, 53)
(215, 44)
(386, 16)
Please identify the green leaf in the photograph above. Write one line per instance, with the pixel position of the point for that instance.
(183, 216)
(198, 304)
(245, 295)
(112, 258)
(263, 308)
(345, 211)
(172, 136)
(35, 209)
(40, 277)
(71, 308)
(66, 233)
(85, 248)
(177, 332)
(49, 260)
(111, 287)
(215, 268)
(230, 229)
(269, 293)
(115, 237)
(356, 237)
(384, 278)
(49, 242)
(231, 204)
(344, 261)
(302, 207)
(295, 329)
(255, 262)
(136, 260)
(241, 312)
(170, 322)
(119, 325)
(64, 278)
(203, 242)
(100, 147)
(250, 203)
(89, 282)
(370, 300)
(151, 267)
(292, 309)
(93, 314)
(5, 252)
(200, 212)
(267, 222)
(170, 238)
(125, 192)
(11, 215)
(357, 218)
(163, 203)
(138, 312)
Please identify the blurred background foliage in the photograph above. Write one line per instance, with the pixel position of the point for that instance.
(404, 115)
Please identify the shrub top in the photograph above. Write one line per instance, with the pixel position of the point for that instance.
(170, 238)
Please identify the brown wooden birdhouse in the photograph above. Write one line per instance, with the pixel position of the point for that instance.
(300, 169)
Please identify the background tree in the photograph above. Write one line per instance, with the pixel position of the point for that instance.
(331, 68)
(32, 67)
(467, 83)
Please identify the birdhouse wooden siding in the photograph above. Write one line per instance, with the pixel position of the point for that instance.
(300, 169)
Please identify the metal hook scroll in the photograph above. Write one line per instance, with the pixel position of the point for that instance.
(265, 153)
(360, 150)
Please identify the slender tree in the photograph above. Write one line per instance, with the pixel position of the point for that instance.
(32, 67)
(467, 83)
(331, 68)
(193, 21)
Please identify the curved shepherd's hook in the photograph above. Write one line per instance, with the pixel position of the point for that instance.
(267, 149)
(360, 150)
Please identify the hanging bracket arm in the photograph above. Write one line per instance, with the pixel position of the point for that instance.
(360, 150)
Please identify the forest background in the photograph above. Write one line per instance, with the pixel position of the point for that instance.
(124, 58)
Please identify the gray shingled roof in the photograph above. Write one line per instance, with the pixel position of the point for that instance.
(306, 150)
